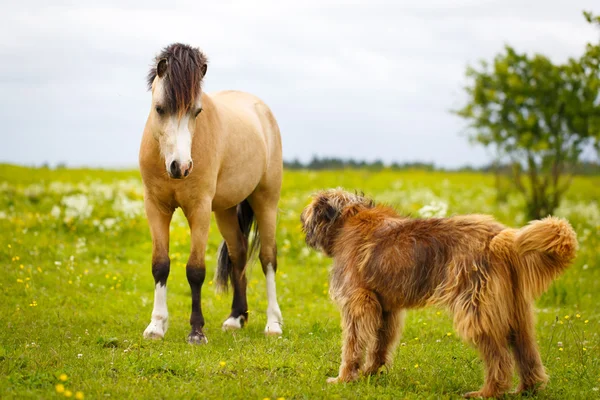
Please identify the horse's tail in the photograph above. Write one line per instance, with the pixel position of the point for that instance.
(248, 226)
(546, 248)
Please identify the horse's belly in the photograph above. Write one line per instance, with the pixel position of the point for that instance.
(232, 189)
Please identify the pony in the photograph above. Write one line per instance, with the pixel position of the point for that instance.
(206, 153)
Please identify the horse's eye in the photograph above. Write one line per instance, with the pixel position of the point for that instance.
(160, 110)
(198, 111)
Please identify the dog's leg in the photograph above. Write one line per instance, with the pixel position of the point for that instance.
(525, 350)
(361, 320)
(498, 367)
(382, 352)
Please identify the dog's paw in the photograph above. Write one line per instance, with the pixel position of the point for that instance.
(373, 369)
(480, 394)
(333, 380)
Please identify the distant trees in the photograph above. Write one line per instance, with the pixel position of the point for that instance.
(329, 163)
(539, 117)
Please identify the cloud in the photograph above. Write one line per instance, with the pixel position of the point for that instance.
(363, 80)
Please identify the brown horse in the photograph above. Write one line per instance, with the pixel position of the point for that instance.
(232, 142)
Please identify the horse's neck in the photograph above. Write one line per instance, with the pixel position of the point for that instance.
(207, 135)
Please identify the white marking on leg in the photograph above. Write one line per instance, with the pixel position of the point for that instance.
(233, 323)
(160, 316)
(274, 319)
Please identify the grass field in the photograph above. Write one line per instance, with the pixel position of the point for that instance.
(76, 293)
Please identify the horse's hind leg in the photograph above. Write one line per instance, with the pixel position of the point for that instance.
(266, 218)
(159, 228)
(228, 224)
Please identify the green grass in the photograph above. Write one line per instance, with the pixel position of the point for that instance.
(76, 294)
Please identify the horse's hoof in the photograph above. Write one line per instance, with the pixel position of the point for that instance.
(273, 328)
(234, 323)
(155, 330)
(197, 338)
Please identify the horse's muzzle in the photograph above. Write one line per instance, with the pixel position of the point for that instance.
(180, 171)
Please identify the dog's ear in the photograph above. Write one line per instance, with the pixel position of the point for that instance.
(330, 212)
(327, 211)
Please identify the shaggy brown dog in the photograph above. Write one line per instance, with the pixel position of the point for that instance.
(486, 274)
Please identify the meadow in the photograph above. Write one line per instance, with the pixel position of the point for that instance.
(76, 293)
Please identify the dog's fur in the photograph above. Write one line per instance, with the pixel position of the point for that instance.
(486, 274)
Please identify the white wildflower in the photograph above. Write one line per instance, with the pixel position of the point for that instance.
(33, 191)
(434, 209)
(60, 187)
(55, 212)
(109, 222)
(77, 206)
(129, 208)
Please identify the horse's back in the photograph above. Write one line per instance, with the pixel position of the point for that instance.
(237, 106)
(253, 141)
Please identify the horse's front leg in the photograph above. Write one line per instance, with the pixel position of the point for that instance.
(159, 221)
(199, 220)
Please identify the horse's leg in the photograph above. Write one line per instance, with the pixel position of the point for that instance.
(159, 227)
(228, 224)
(266, 218)
(199, 220)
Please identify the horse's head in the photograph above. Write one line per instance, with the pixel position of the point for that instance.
(175, 81)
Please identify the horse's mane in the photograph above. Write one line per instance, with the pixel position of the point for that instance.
(183, 78)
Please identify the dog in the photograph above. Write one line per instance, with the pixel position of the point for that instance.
(486, 274)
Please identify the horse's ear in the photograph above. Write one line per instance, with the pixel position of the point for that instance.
(161, 68)
(203, 69)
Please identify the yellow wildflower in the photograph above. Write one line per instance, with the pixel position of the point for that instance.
(560, 349)
(222, 363)
(68, 393)
(566, 317)
(578, 316)
(63, 377)
(79, 395)
(416, 365)
(60, 388)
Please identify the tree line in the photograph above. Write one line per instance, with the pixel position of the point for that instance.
(336, 163)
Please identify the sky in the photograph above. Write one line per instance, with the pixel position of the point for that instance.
(363, 79)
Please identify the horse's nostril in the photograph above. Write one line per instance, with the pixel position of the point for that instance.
(174, 169)
(186, 173)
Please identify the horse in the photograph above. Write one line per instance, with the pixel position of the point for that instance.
(206, 153)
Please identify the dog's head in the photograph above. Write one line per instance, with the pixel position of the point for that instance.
(322, 218)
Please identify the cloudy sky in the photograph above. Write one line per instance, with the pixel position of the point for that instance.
(374, 79)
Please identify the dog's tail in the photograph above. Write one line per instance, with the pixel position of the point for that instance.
(546, 248)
